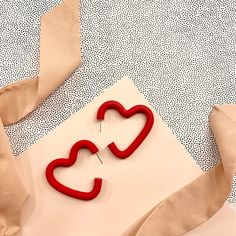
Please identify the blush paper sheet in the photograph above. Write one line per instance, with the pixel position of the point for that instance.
(131, 187)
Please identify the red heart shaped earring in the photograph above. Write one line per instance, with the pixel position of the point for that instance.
(122, 154)
(66, 162)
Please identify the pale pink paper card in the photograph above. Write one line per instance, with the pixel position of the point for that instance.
(131, 187)
(221, 224)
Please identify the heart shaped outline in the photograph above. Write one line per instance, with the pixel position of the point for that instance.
(114, 105)
(67, 162)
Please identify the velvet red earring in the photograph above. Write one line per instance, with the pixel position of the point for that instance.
(66, 162)
(128, 113)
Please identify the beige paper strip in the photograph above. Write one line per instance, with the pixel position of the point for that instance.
(59, 57)
(201, 199)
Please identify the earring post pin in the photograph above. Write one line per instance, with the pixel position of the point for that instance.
(99, 158)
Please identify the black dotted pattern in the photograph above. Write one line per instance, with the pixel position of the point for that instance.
(180, 54)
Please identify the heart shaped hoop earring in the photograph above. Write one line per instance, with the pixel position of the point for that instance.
(114, 105)
(67, 162)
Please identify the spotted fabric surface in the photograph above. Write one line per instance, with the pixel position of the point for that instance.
(180, 55)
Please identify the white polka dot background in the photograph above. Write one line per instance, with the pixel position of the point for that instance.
(179, 53)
